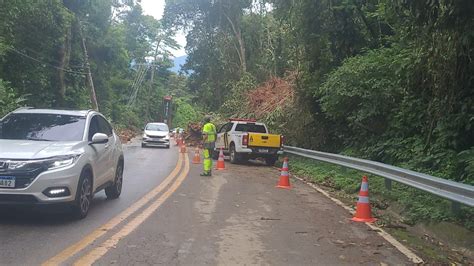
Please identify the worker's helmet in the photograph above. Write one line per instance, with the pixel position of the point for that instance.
(207, 119)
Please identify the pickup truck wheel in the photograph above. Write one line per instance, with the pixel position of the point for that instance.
(234, 156)
(270, 161)
(215, 155)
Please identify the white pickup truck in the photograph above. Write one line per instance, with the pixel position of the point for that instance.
(245, 139)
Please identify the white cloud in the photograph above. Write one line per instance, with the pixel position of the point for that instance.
(156, 8)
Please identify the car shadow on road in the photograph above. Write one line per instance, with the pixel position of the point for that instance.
(257, 163)
(35, 215)
(154, 147)
(43, 215)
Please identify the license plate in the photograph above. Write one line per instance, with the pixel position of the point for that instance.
(263, 150)
(7, 181)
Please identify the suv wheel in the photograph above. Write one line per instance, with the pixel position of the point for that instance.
(115, 190)
(83, 196)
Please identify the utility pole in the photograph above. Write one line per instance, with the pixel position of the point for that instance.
(155, 57)
(152, 75)
(90, 81)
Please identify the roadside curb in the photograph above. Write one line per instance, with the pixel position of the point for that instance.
(399, 246)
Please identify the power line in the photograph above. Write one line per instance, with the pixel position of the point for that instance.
(140, 71)
(57, 61)
(44, 63)
(138, 85)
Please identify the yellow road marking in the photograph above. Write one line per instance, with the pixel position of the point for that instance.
(101, 250)
(87, 240)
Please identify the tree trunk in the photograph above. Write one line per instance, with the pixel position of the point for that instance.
(64, 55)
(90, 81)
(240, 41)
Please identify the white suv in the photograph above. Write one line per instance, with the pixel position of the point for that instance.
(58, 156)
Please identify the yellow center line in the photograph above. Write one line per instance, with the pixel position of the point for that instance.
(101, 250)
(90, 238)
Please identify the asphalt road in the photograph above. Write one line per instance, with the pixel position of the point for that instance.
(169, 215)
(238, 217)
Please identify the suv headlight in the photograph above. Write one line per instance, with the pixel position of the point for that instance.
(61, 161)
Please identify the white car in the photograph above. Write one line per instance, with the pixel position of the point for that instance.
(58, 156)
(156, 134)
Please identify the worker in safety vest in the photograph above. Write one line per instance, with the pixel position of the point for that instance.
(209, 135)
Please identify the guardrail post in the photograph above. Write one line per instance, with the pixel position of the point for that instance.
(455, 207)
(388, 183)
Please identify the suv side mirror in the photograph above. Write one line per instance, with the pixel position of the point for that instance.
(99, 138)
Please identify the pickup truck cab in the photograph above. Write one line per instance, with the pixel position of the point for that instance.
(245, 139)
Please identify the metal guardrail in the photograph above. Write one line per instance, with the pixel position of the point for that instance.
(454, 191)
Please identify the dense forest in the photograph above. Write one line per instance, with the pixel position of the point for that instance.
(48, 48)
(388, 80)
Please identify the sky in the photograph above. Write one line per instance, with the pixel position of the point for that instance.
(155, 8)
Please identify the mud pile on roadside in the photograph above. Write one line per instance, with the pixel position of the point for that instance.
(126, 134)
(193, 135)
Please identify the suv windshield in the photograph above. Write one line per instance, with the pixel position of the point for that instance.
(48, 127)
(251, 128)
(155, 127)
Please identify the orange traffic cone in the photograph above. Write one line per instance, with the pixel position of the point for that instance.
(176, 139)
(284, 176)
(363, 211)
(220, 162)
(183, 147)
(197, 156)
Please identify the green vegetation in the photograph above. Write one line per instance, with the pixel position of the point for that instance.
(185, 113)
(47, 46)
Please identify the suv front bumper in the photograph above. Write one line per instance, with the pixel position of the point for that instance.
(34, 193)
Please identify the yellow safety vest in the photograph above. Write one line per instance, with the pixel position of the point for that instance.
(210, 130)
